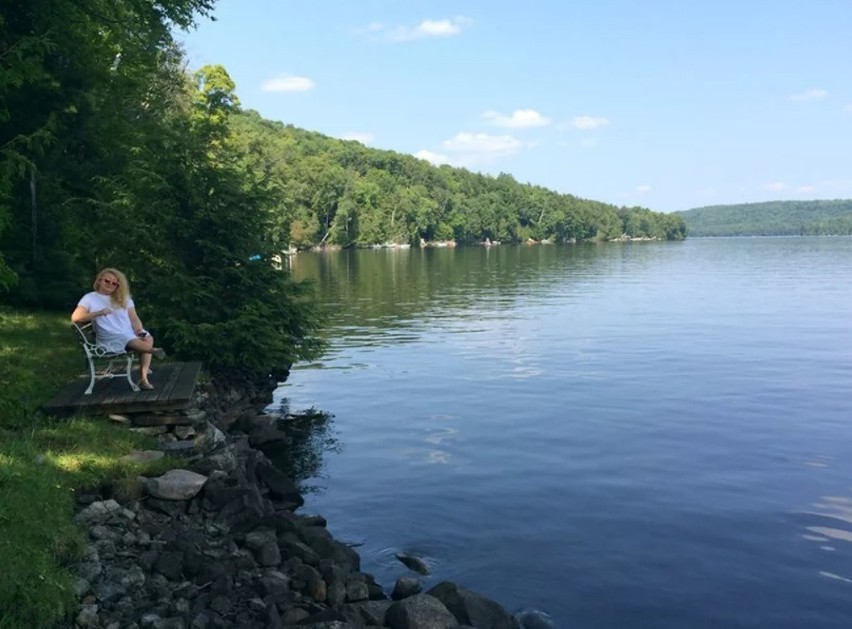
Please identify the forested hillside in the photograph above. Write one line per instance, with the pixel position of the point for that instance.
(340, 192)
(773, 218)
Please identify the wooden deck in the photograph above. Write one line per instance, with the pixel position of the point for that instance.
(173, 387)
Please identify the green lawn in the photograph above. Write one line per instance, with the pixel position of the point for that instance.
(43, 461)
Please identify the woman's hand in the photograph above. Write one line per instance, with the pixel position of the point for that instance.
(103, 312)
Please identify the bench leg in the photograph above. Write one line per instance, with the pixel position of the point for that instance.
(91, 378)
(133, 386)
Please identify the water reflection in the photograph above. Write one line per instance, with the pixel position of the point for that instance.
(388, 296)
(312, 435)
(834, 524)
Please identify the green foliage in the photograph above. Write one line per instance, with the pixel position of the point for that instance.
(773, 218)
(338, 192)
(138, 168)
(76, 79)
(43, 462)
(28, 344)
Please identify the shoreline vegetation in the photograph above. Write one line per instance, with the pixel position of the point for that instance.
(445, 244)
(181, 523)
(772, 218)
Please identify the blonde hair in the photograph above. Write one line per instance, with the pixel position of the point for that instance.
(122, 292)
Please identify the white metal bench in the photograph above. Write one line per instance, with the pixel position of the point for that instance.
(117, 364)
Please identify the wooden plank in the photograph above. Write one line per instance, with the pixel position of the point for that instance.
(174, 384)
(166, 386)
(187, 379)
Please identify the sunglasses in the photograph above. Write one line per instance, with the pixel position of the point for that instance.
(110, 282)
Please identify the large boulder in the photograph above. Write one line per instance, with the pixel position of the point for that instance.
(420, 611)
(471, 608)
(174, 485)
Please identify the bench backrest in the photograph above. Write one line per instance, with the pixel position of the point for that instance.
(88, 339)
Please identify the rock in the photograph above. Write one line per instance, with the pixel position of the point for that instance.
(183, 448)
(184, 432)
(170, 564)
(279, 485)
(275, 586)
(471, 608)
(335, 592)
(534, 619)
(106, 592)
(151, 431)
(266, 436)
(142, 456)
(88, 616)
(160, 420)
(258, 538)
(81, 587)
(174, 485)
(405, 587)
(224, 460)
(209, 438)
(338, 552)
(420, 611)
(88, 570)
(170, 508)
(291, 547)
(356, 588)
(99, 511)
(413, 563)
(269, 554)
(196, 416)
(373, 612)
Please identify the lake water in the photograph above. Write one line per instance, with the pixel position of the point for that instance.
(625, 435)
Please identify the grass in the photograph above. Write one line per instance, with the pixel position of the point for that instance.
(44, 461)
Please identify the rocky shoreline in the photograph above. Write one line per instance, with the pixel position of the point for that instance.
(218, 544)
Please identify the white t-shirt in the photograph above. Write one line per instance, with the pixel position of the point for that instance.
(114, 330)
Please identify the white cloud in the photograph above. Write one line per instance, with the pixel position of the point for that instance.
(643, 188)
(588, 122)
(520, 119)
(447, 27)
(482, 143)
(434, 158)
(364, 137)
(286, 83)
(776, 185)
(836, 184)
(810, 95)
(473, 149)
(805, 189)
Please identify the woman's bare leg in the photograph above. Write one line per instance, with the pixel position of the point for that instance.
(145, 348)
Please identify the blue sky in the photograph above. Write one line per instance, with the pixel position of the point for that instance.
(666, 104)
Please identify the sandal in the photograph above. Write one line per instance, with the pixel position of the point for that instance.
(145, 385)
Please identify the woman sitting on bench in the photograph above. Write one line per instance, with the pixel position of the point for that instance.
(117, 326)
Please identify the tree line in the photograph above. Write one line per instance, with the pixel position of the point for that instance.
(112, 154)
(340, 192)
(772, 218)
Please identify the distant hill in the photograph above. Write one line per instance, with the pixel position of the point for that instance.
(772, 218)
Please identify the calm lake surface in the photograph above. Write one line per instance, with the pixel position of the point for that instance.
(624, 435)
